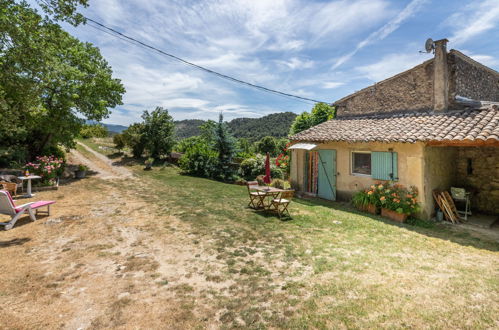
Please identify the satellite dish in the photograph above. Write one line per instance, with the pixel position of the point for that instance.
(429, 45)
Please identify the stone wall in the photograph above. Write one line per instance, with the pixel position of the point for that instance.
(439, 173)
(484, 179)
(471, 79)
(410, 90)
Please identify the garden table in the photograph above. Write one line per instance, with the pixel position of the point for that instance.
(29, 178)
(269, 192)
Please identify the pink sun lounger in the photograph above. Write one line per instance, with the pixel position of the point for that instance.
(8, 207)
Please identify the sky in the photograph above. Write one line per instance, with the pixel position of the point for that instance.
(323, 50)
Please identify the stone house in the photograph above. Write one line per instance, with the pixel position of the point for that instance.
(433, 126)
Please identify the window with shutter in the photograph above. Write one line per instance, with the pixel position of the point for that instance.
(384, 165)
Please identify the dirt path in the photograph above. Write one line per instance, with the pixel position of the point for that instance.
(104, 258)
(102, 165)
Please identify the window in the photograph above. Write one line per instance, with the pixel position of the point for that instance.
(361, 163)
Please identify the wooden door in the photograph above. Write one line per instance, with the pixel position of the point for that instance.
(327, 174)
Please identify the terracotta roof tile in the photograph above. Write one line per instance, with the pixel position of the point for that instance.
(453, 125)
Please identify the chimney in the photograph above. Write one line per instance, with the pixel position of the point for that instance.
(440, 77)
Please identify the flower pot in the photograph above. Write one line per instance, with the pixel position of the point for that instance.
(369, 208)
(393, 215)
(80, 174)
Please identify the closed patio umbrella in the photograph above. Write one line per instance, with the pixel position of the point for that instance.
(267, 178)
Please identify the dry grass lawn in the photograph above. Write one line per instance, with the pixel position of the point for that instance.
(163, 250)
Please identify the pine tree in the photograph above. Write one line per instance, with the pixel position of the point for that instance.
(225, 145)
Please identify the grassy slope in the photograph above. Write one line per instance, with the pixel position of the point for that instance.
(362, 271)
(329, 267)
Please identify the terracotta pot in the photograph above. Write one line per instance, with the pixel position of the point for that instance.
(370, 208)
(393, 215)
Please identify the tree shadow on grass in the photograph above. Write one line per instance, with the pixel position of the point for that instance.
(14, 242)
(428, 228)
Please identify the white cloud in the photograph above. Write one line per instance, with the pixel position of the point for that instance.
(391, 65)
(483, 58)
(473, 20)
(295, 63)
(384, 31)
(332, 84)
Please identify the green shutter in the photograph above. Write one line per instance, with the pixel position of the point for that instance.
(383, 164)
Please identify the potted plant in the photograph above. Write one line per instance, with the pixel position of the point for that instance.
(148, 163)
(81, 172)
(398, 202)
(368, 199)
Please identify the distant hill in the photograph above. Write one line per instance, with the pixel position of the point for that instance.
(187, 128)
(276, 124)
(112, 128)
(115, 128)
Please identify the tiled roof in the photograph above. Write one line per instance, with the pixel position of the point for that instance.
(453, 125)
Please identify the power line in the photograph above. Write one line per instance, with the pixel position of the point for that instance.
(134, 41)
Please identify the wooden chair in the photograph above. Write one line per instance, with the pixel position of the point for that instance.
(255, 201)
(11, 187)
(280, 204)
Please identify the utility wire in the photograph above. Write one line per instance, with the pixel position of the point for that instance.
(134, 41)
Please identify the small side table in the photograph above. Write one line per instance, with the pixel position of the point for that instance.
(29, 178)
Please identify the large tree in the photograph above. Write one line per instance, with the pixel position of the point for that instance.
(320, 113)
(158, 132)
(49, 80)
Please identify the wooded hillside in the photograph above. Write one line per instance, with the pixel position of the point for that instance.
(276, 124)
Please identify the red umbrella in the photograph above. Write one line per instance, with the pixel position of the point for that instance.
(266, 178)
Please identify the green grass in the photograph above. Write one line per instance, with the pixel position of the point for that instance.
(362, 272)
(329, 267)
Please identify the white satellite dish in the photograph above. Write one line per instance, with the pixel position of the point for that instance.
(429, 45)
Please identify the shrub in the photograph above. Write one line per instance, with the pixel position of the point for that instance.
(186, 143)
(398, 198)
(119, 142)
(199, 160)
(55, 152)
(48, 167)
(281, 184)
(254, 166)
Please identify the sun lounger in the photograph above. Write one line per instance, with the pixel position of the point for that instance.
(8, 207)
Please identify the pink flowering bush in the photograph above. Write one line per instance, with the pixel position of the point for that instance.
(48, 167)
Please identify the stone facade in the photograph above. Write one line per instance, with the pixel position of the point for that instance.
(470, 79)
(478, 171)
(411, 90)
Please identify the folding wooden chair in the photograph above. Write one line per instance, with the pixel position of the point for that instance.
(255, 201)
(280, 204)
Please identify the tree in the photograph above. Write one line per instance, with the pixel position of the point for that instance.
(158, 132)
(301, 123)
(225, 146)
(119, 142)
(320, 113)
(133, 138)
(90, 131)
(267, 144)
(49, 80)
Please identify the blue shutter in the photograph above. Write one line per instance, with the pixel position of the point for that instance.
(383, 165)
